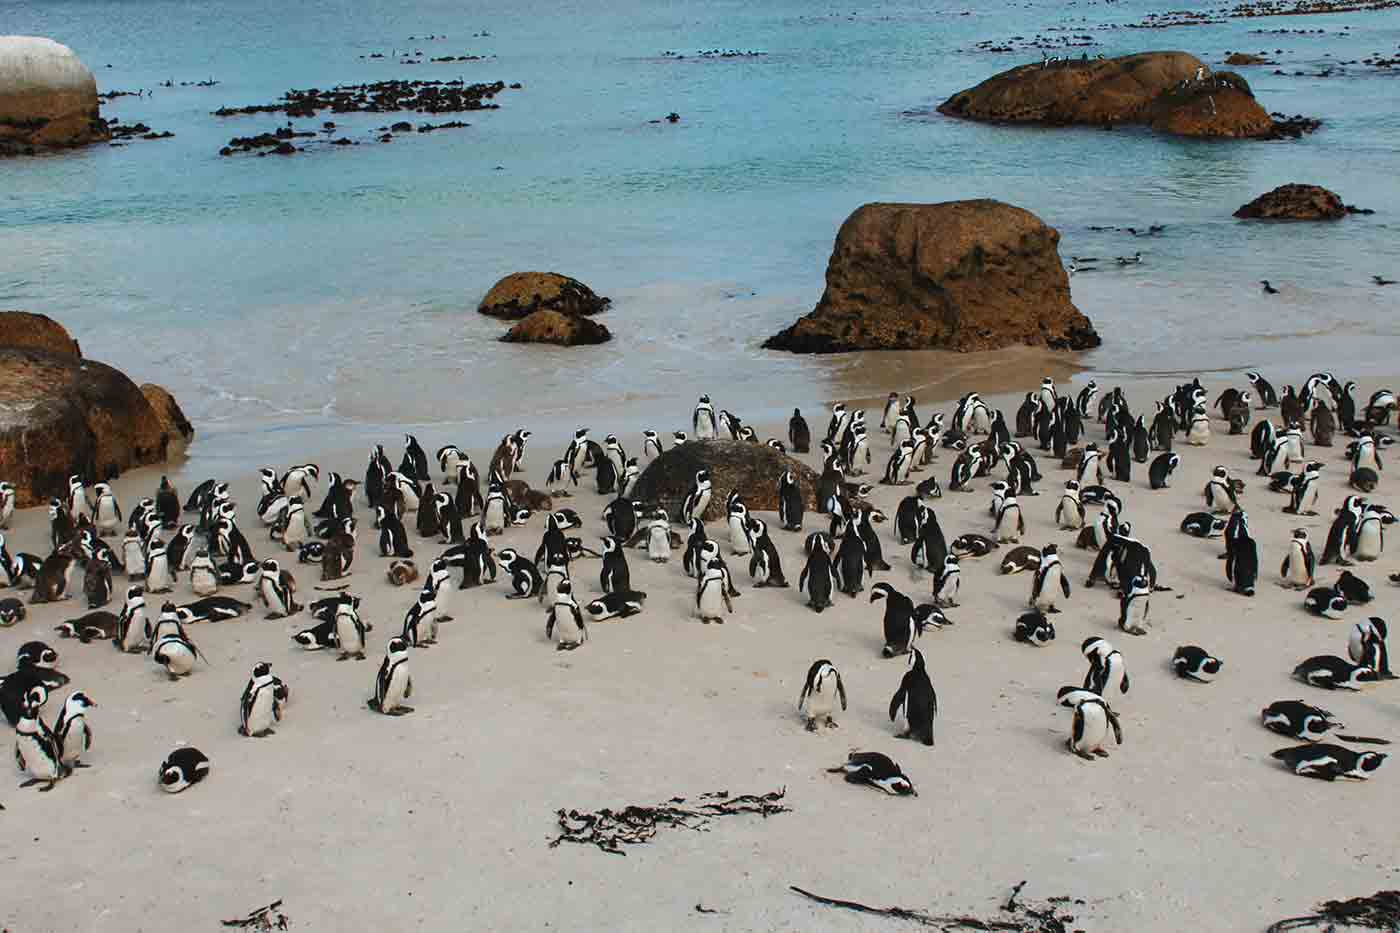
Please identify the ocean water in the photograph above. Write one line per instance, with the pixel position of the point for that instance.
(328, 296)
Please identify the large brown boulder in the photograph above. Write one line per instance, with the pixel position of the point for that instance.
(522, 293)
(1295, 202)
(60, 415)
(753, 469)
(1100, 91)
(172, 418)
(962, 275)
(1236, 59)
(565, 330)
(48, 98)
(1222, 108)
(22, 329)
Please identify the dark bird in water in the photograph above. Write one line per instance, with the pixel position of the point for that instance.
(1132, 260)
(1268, 289)
(1379, 280)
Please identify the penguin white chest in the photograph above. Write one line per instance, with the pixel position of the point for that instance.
(494, 516)
(1368, 539)
(348, 634)
(1049, 588)
(260, 712)
(76, 740)
(33, 758)
(1090, 728)
(738, 535)
(204, 581)
(176, 656)
(566, 630)
(1199, 433)
(659, 544)
(711, 601)
(396, 690)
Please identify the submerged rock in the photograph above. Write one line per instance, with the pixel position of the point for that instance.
(523, 293)
(565, 330)
(1295, 202)
(753, 469)
(961, 275)
(48, 98)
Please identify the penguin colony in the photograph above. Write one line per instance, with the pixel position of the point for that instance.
(164, 547)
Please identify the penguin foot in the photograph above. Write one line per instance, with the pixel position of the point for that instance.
(1101, 752)
(1053, 610)
(811, 725)
(263, 734)
(343, 657)
(831, 723)
(173, 676)
(47, 787)
(401, 711)
(81, 764)
(274, 616)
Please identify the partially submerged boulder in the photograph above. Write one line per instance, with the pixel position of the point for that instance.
(1236, 59)
(523, 293)
(565, 330)
(48, 98)
(1221, 108)
(960, 275)
(1295, 202)
(753, 469)
(172, 418)
(22, 329)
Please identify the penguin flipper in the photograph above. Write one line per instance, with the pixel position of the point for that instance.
(897, 701)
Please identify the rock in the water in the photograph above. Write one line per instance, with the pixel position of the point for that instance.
(172, 419)
(523, 293)
(1223, 107)
(1237, 59)
(22, 329)
(961, 275)
(1295, 202)
(48, 98)
(1111, 90)
(1159, 89)
(61, 415)
(566, 330)
(753, 469)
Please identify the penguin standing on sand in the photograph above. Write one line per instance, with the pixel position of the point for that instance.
(1304, 491)
(697, 500)
(651, 445)
(274, 592)
(1159, 474)
(615, 577)
(175, 652)
(766, 566)
(1366, 646)
(1069, 514)
(1241, 554)
(1299, 565)
(393, 684)
(820, 691)
(525, 578)
(37, 749)
(1106, 667)
(816, 577)
(1050, 582)
(900, 626)
(1369, 541)
(1219, 492)
(702, 420)
(849, 566)
(159, 578)
(349, 631)
(1133, 606)
(712, 595)
(72, 730)
(1092, 721)
(947, 582)
(799, 433)
(660, 539)
(1010, 524)
(564, 620)
(790, 504)
(131, 623)
(740, 543)
(420, 622)
(916, 699)
(256, 709)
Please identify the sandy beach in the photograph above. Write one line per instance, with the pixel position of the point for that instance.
(441, 820)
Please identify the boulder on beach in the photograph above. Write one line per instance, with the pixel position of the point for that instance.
(62, 415)
(172, 418)
(960, 275)
(22, 329)
(48, 98)
(753, 469)
(565, 330)
(1295, 202)
(1160, 89)
(523, 293)
(1097, 91)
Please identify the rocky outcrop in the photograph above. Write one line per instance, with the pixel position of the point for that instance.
(22, 329)
(753, 469)
(1221, 108)
(1295, 202)
(173, 422)
(522, 293)
(565, 330)
(962, 275)
(1172, 92)
(1237, 59)
(48, 98)
(61, 414)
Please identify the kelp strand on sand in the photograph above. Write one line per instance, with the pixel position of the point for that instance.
(263, 920)
(610, 830)
(1021, 918)
(1380, 911)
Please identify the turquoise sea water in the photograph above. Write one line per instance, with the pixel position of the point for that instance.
(334, 292)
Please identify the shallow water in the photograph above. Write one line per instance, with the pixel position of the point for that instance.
(300, 301)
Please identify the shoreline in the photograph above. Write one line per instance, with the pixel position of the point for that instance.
(450, 807)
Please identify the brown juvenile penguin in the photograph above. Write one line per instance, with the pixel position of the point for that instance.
(337, 557)
(55, 573)
(97, 581)
(402, 572)
(1324, 424)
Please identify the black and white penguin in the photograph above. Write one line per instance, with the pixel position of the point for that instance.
(820, 692)
(900, 627)
(72, 729)
(1033, 628)
(420, 622)
(615, 576)
(132, 622)
(204, 576)
(619, 604)
(1241, 554)
(698, 498)
(1299, 565)
(393, 684)
(1263, 389)
(1093, 719)
(878, 771)
(737, 517)
(849, 565)
(766, 566)
(1368, 542)
(214, 609)
(1329, 762)
(1304, 491)
(620, 515)
(659, 538)
(393, 537)
(1298, 719)
(1159, 474)
(1010, 523)
(1333, 673)
(946, 583)
(1106, 667)
(1134, 605)
(816, 576)
(1366, 646)
(790, 502)
(176, 653)
(1192, 662)
(526, 581)
(1219, 492)
(1342, 533)
(182, 768)
(702, 420)
(1356, 590)
(712, 594)
(1070, 511)
(38, 752)
(319, 636)
(349, 630)
(1050, 583)
(1203, 525)
(257, 707)
(1325, 602)
(274, 592)
(916, 701)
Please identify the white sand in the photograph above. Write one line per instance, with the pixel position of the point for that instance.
(440, 820)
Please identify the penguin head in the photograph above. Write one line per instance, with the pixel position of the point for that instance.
(305, 639)
(916, 659)
(1300, 534)
(1370, 761)
(564, 587)
(262, 669)
(35, 654)
(34, 698)
(1095, 646)
(507, 556)
(397, 646)
(880, 591)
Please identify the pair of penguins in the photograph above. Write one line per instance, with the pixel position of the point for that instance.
(914, 699)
